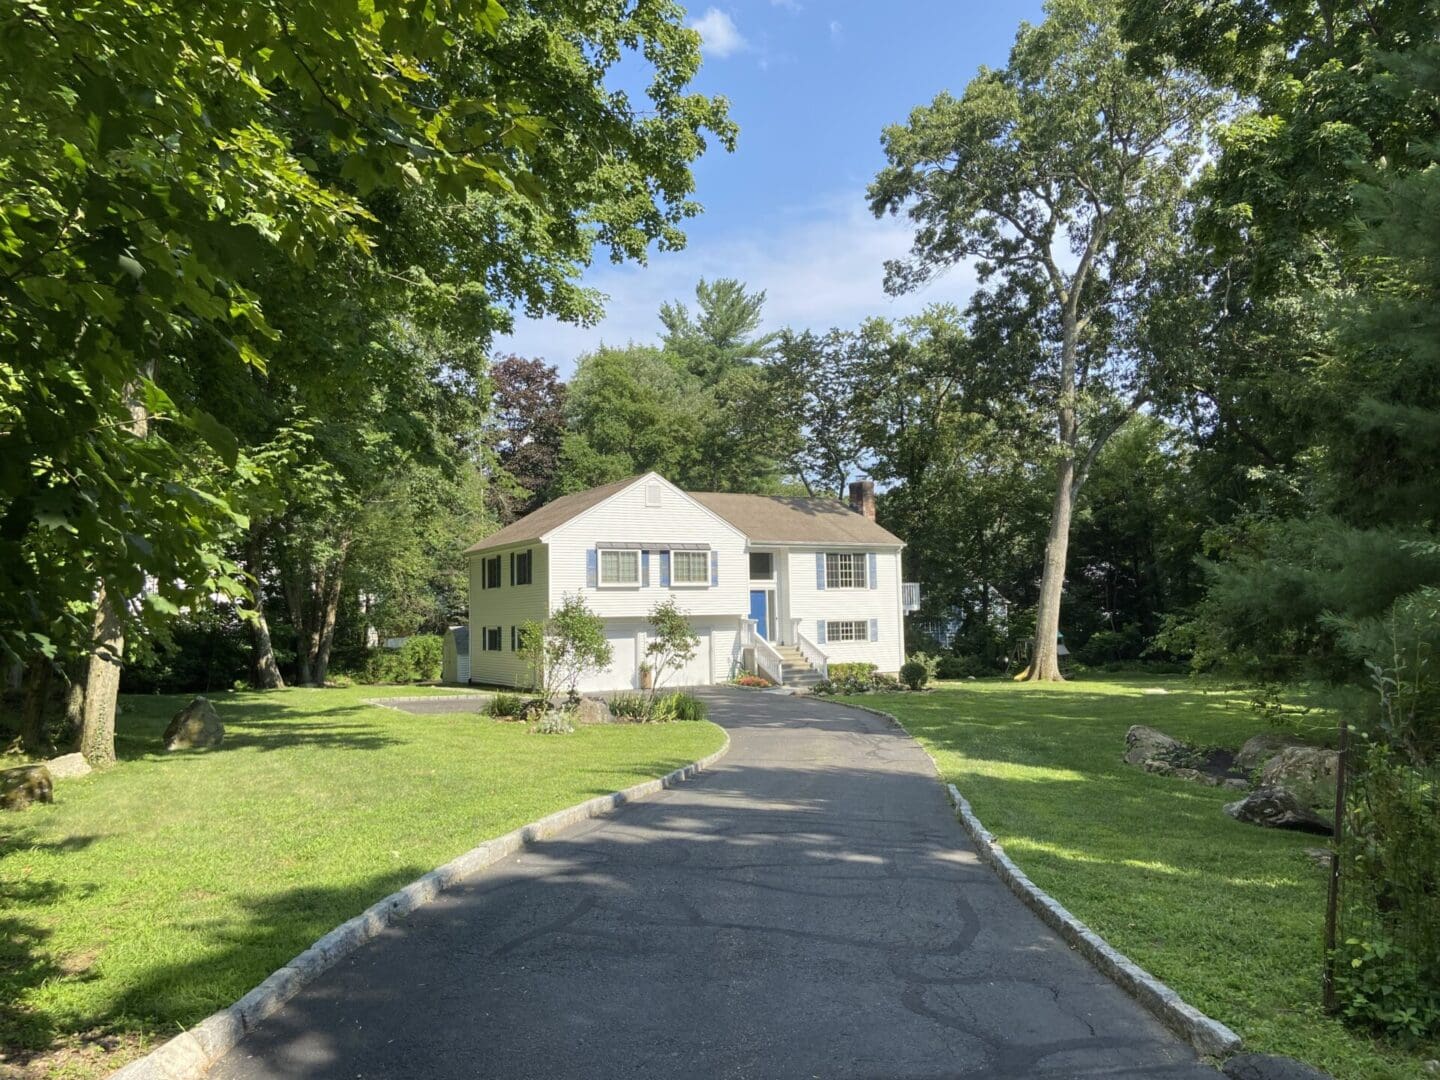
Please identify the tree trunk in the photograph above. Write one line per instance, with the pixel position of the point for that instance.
(1045, 659)
(264, 672)
(329, 597)
(38, 676)
(102, 685)
(296, 584)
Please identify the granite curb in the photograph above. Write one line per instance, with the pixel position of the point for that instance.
(1205, 1034)
(190, 1054)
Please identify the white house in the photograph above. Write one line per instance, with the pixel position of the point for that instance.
(772, 584)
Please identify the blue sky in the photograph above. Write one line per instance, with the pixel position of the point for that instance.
(811, 84)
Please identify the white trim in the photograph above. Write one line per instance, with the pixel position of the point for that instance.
(601, 583)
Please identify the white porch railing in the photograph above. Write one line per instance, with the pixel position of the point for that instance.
(767, 660)
(812, 652)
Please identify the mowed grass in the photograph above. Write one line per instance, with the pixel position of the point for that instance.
(152, 894)
(1230, 915)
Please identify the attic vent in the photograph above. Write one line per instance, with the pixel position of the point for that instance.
(652, 494)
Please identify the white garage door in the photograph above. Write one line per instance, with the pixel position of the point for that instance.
(698, 671)
(621, 674)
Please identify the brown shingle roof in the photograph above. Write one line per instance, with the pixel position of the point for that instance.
(776, 519)
(785, 519)
(553, 514)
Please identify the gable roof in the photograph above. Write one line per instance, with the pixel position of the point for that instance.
(785, 519)
(766, 519)
(550, 516)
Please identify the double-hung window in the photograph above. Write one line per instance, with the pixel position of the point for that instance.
(490, 642)
(690, 567)
(847, 631)
(524, 567)
(619, 568)
(845, 570)
(492, 572)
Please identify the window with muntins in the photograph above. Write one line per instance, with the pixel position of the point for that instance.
(845, 570)
(690, 567)
(619, 568)
(847, 631)
(492, 573)
(762, 566)
(523, 567)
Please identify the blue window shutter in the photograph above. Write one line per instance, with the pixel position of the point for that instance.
(874, 561)
(664, 569)
(874, 629)
(592, 568)
(645, 569)
(820, 632)
(714, 568)
(820, 570)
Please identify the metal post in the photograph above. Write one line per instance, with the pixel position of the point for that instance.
(1332, 906)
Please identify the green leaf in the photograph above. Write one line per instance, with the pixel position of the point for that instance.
(221, 439)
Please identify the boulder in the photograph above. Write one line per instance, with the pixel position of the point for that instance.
(1276, 808)
(1308, 772)
(533, 709)
(1180, 772)
(1234, 783)
(195, 727)
(1144, 743)
(1270, 1067)
(68, 767)
(1259, 749)
(26, 785)
(593, 711)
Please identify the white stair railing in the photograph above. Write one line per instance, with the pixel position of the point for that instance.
(768, 662)
(814, 655)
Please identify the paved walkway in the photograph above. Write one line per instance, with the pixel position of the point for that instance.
(809, 908)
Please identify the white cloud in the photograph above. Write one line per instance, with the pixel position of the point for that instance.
(719, 36)
(823, 266)
(788, 5)
(835, 28)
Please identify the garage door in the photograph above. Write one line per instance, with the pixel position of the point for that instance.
(698, 671)
(620, 675)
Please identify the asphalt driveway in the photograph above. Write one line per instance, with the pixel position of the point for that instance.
(809, 908)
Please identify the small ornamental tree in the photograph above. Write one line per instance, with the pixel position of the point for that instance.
(560, 651)
(673, 642)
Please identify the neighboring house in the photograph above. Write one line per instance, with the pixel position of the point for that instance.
(455, 657)
(772, 584)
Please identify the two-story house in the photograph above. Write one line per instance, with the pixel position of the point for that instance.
(777, 585)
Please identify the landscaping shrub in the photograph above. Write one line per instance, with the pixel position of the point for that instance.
(1112, 646)
(507, 706)
(417, 660)
(962, 667)
(753, 680)
(914, 673)
(883, 683)
(555, 722)
(634, 707)
(679, 706)
(839, 672)
(823, 687)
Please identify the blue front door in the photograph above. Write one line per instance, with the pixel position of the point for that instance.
(759, 613)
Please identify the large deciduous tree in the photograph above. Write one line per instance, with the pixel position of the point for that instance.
(1061, 176)
(527, 418)
(169, 172)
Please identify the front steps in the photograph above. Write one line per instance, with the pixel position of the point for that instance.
(798, 672)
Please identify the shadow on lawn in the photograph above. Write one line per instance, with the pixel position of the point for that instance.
(264, 727)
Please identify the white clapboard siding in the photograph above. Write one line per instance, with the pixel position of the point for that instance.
(810, 605)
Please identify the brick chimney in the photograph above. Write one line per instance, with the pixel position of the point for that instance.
(862, 497)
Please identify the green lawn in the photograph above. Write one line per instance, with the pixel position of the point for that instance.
(1230, 915)
(148, 896)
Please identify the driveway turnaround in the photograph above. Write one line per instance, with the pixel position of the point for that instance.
(808, 908)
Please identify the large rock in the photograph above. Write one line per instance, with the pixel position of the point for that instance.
(28, 784)
(68, 767)
(1307, 772)
(1144, 743)
(593, 711)
(1270, 1067)
(1276, 808)
(1180, 772)
(195, 727)
(1259, 749)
